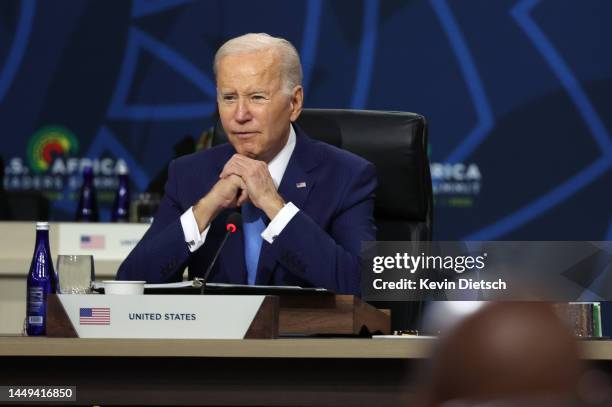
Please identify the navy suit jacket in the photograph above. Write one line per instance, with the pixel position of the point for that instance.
(319, 247)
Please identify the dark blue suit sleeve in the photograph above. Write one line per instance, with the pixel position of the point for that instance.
(162, 254)
(331, 258)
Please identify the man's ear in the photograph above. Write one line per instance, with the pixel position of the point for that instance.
(296, 103)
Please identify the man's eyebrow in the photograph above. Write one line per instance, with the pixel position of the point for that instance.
(230, 92)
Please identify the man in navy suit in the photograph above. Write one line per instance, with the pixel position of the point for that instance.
(306, 205)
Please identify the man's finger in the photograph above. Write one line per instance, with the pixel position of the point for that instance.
(243, 198)
(242, 159)
(244, 195)
(230, 170)
(232, 167)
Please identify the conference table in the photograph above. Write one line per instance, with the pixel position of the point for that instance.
(265, 372)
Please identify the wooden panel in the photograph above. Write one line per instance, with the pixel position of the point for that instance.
(265, 323)
(58, 323)
(325, 348)
(335, 348)
(339, 315)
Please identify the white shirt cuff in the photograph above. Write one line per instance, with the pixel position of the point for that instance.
(193, 237)
(279, 222)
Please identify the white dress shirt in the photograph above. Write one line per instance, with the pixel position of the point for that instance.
(277, 167)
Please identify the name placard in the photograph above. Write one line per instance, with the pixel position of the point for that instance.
(163, 316)
(106, 241)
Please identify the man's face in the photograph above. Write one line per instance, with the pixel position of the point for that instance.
(254, 110)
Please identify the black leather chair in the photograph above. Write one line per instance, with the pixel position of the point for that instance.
(396, 143)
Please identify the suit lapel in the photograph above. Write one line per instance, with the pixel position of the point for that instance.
(295, 187)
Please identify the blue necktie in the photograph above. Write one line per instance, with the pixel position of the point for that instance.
(253, 225)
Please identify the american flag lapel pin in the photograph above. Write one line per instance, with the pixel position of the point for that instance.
(300, 185)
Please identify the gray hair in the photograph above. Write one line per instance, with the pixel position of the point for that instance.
(291, 67)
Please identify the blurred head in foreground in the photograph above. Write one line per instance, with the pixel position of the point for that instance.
(504, 351)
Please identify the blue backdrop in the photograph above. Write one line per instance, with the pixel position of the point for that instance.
(518, 94)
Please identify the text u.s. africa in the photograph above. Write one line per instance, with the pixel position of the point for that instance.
(428, 284)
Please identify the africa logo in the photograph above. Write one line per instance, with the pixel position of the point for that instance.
(50, 142)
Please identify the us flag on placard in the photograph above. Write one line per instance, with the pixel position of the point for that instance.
(94, 316)
(92, 242)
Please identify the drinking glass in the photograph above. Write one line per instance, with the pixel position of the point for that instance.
(144, 207)
(75, 273)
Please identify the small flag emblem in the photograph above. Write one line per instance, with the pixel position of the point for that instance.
(93, 242)
(301, 185)
(94, 316)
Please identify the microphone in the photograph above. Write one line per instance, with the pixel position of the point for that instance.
(232, 223)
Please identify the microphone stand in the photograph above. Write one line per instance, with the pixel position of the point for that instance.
(231, 228)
